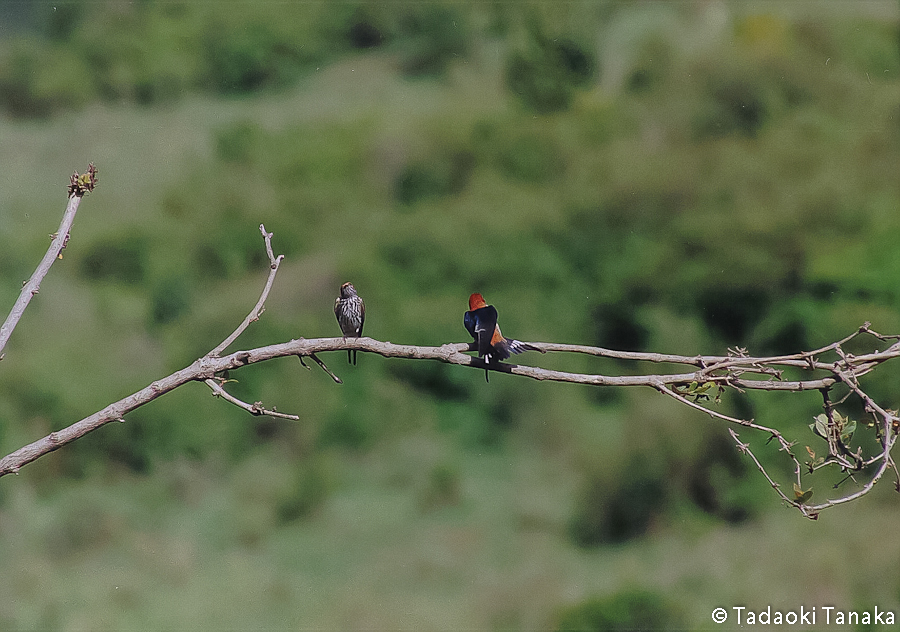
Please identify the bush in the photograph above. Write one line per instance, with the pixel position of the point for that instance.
(732, 312)
(149, 52)
(307, 493)
(436, 177)
(246, 60)
(631, 610)
(224, 253)
(526, 155)
(618, 326)
(433, 379)
(364, 29)
(443, 489)
(169, 300)
(545, 75)
(36, 81)
(616, 511)
(237, 142)
(741, 97)
(142, 54)
(431, 36)
(122, 259)
(347, 428)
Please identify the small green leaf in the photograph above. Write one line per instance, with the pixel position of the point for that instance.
(820, 427)
(848, 430)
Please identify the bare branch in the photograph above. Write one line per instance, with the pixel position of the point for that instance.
(745, 449)
(257, 311)
(80, 184)
(254, 409)
(322, 365)
(453, 353)
(203, 369)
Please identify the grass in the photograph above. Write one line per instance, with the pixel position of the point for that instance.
(103, 553)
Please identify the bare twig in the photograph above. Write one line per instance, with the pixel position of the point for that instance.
(79, 185)
(322, 365)
(257, 311)
(745, 449)
(254, 409)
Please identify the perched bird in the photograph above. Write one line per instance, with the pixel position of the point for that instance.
(481, 322)
(351, 314)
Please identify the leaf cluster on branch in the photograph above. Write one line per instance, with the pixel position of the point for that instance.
(830, 369)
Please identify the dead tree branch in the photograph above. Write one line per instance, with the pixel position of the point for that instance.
(698, 377)
(206, 368)
(257, 311)
(255, 408)
(79, 185)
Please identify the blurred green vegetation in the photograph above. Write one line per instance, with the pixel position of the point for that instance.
(676, 177)
(628, 610)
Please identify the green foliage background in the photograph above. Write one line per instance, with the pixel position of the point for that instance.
(676, 177)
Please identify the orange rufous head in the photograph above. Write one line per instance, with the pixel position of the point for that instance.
(476, 301)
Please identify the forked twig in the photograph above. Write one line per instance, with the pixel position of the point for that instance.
(254, 409)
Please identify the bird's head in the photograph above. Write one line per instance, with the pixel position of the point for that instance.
(476, 301)
(347, 290)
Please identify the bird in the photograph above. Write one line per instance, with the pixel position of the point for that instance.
(481, 322)
(350, 311)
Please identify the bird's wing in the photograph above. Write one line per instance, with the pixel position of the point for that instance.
(469, 324)
(499, 344)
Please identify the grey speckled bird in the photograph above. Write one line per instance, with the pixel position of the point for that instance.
(351, 314)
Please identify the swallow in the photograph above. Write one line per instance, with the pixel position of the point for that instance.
(481, 322)
(350, 311)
